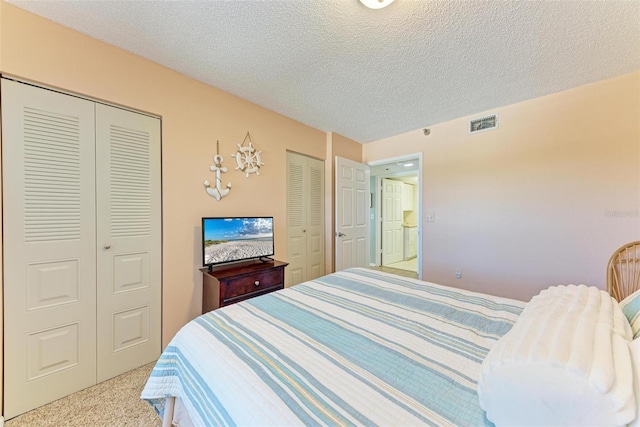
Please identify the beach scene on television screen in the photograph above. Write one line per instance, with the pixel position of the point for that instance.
(229, 239)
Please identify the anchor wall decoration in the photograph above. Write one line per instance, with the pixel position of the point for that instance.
(217, 192)
(248, 158)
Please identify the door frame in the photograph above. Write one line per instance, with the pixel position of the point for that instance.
(376, 222)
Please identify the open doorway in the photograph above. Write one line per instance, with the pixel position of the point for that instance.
(395, 215)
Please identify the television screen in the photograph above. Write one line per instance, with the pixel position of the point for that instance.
(236, 239)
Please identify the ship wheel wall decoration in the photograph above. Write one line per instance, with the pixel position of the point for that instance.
(217, 192)
(248, 158)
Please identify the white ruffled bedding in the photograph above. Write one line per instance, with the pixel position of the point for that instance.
(566, 361)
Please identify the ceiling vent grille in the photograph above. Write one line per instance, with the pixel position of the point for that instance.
(482, 124)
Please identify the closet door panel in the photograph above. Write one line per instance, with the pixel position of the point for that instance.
(296, 219)
(315, 219)
(49, 245)
(129, 242)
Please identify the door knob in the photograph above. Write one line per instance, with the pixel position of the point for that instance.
(341, 234)
(107, 246)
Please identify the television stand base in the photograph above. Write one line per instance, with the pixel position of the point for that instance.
(266, 259)
(240, 282)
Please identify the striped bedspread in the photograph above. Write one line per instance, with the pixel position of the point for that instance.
(357, 347)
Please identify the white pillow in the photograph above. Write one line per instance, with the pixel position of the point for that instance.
(631, 308)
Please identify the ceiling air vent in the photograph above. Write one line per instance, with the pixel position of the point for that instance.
(482, 124)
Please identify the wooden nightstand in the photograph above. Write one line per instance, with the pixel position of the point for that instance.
(227, 285)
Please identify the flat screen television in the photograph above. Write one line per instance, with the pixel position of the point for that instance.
(231, 239)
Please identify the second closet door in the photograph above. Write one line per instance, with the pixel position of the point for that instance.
(128, 185)
(305, 218)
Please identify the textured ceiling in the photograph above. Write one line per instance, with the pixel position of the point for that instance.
(370, 74)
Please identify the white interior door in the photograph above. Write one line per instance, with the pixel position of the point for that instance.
(49, 246)
(392, 234)
(352, 214)
(128, 240)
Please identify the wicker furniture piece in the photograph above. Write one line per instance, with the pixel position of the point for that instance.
(623, 271)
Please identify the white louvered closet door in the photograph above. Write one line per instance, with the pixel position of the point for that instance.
(305, 218)
(129, 241)
(82, 243)
(296, 219)
(49, 246)
(315, 218)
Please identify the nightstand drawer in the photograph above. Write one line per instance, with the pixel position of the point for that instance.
(256, 282)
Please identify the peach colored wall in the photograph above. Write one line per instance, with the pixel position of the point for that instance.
(194, 116)
(542, 200)
(337, 146)
(345, 147)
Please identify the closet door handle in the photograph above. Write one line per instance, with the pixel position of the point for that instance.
(107, 246)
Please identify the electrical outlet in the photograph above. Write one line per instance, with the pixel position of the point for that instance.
(430, 217)
(458, 273)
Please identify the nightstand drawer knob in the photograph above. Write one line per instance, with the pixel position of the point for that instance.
(257, 283)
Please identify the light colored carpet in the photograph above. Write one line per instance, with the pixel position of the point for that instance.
(115, 402)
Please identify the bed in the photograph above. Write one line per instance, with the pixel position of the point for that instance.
(354, 347)
(363, 347)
